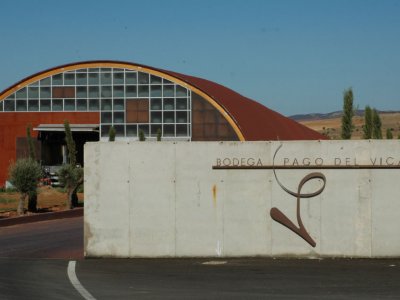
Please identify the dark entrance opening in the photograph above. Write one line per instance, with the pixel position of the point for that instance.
(53, 145)
(54, 148)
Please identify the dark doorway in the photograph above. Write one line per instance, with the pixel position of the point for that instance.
(54, 151)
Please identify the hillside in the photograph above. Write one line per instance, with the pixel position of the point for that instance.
(330, 123)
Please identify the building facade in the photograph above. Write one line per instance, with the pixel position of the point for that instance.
(95, 95)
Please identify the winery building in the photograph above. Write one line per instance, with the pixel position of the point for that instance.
(95, 95)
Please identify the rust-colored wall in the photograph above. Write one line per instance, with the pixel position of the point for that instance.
(13, 125)
(208, 123)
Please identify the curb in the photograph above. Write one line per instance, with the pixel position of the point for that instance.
(76, 212)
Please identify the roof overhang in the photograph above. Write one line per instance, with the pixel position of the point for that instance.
(74, 127)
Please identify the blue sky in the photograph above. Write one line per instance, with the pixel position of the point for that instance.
(292, 56)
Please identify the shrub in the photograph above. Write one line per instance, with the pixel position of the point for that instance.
(24, 175)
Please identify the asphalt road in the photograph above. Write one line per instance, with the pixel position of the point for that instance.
(61, 238)
(24, 274)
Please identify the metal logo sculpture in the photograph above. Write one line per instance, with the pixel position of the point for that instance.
(275, 213)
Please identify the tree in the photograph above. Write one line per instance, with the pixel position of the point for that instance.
(142, 137)
(24, 175)
(389, 134)
(111, 134)
(70, 144)
(377, 125)
(348, 113)
(70, 175)
(367, 128)
(32, 196)
(31, 146)
(158, 134)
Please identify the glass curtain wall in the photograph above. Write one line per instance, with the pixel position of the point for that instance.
(127, 99)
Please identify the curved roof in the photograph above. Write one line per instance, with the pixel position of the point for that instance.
(251, 120)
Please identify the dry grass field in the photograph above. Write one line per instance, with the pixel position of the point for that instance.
(331, 127)
(49, 199)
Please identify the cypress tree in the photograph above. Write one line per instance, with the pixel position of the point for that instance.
(142, 137)
(367, 128)
(158, 135)
(70, 144)
(32, 194)
(389, 134)
(377, 125)
(348, 113)
(31, 147)
(111, 134)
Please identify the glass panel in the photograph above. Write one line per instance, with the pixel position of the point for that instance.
(57, 79)
(11, 97)
(104, 130)
(143, 78)
(181, 103)
(69, 79)
(166, 81)
(181, 117)
(156, 104)
(105, 69)
(69, 104)
(131, 130)
(169, 117)
(33, 105)
(145, 129)
(21, 105)
(169, 104)
(81, 79)
(180, 91)
(94, 92)
(45, 92)
(57, 105)
(118, 78)
(45, 105)
(21, 94)
(36, 83)
(156, 117)
(181, 130)
(106, 104)
(9, 105)
(105, 78)
(33, 92)
(106, 117)
(155, 91)
(94, 104)
(155, 129)
(155, 79)
(105, 91)
(131, 91)
(118, 91)
(119, 130)
(81, 92)
(169, 130)
(81, 104)
(94, 70)
(45, 81)
(1, 105)
(143, 90)
(131, 78)
(168, 90)
(94, 79)
(119, 117)
(119, 104)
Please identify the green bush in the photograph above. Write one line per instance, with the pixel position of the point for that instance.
(24, 175)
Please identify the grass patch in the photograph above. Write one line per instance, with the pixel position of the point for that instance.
(4, 200)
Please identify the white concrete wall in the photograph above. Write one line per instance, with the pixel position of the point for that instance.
(163, 199)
